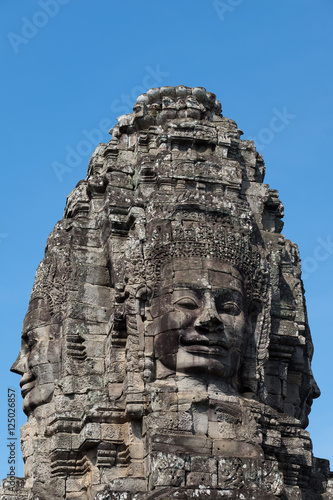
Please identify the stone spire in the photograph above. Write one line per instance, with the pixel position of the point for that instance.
(166, 350)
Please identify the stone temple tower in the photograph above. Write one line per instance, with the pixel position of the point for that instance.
(166, 352)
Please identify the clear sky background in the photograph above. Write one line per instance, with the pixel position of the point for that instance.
(70, 67)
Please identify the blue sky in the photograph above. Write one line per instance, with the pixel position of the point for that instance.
(70, 67)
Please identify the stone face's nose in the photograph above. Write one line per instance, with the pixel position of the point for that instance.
(20, 364)
(209, 320)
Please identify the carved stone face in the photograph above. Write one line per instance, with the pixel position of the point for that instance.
(38, 360)
(199, 318)
(309, 391)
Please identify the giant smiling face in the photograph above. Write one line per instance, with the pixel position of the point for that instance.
(38, 359)
(199, 318)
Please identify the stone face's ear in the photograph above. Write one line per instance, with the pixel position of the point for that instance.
(253, 313)
(248, 376)
(143, 299)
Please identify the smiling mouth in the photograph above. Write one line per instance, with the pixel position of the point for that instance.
(205, 349)
(27, 383)
(27, 388)
(197, 344)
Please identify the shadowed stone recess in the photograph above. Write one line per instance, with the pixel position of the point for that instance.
(166, 352)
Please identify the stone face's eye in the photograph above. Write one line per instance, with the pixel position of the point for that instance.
(29, 340)
(230, 308)
(187, 303)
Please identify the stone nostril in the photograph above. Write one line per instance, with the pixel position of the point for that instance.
(208, 321)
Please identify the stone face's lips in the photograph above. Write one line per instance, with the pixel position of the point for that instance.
(27, 383)
(204, 349)
(204, 343)
(27, 388)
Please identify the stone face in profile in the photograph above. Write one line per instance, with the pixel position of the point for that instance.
(38, 361)
(166, 351)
